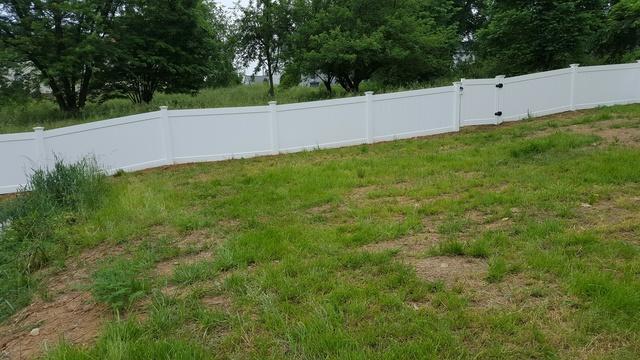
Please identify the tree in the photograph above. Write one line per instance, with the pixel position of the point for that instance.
(160, 45)
(61, 38)
(621, 37)
(469, 16)
(524, 36)
(18, 79)
(394, 41)
(262, 32)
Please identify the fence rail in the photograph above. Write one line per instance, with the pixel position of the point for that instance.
(168, 137)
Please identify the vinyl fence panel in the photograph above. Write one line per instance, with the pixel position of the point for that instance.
(18, 155)
(322, 124)
(182, 136)
(129, 143)
(536, 95)
(219, 134)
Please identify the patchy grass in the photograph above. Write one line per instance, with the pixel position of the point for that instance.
(510, 242)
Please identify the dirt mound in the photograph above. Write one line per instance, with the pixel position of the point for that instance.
(71, 314)
(72, 317)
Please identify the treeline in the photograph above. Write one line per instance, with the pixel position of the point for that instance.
(99, 49)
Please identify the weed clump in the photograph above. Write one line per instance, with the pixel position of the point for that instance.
(120, 284)
(31, 232)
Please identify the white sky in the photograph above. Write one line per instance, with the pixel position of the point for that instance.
(229, 4)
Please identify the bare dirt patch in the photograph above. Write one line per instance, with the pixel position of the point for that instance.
(618, 216)
(408, 246)
(626, 136)
(616, 131)
(451, 270)
(216, 301)
(69, 313)
(198, 239)
(166, 268)
(468, 275)
(72, 317)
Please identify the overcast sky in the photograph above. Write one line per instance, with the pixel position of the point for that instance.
(230, 3)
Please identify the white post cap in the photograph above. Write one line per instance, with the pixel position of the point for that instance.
(38, 128)
(368, 93)
(164, 108)
(573, 66)
(273, 102)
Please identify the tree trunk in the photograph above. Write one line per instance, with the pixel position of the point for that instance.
(84, 86)
(272, 91)
(66, 97)
(327, 84)
(349, 85)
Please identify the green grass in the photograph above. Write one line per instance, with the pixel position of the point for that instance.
(289, 277)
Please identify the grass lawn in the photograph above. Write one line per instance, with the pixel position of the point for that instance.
(511, 242)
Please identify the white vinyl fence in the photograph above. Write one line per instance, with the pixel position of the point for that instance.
(182, 136)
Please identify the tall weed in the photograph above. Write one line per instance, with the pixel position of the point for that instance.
(35, 221)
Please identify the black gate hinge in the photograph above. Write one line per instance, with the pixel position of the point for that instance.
(500, 86)
(499, 113)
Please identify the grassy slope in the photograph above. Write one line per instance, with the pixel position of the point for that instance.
(547, 219)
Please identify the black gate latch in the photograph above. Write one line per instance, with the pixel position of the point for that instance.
(500, 86)
(499, 113)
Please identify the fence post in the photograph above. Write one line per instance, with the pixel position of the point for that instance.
(369, 115)
(273, 120)
(167, 138)
(457, 102)
(41, 152)
(638, 82)
(574, 73)
(498, 107)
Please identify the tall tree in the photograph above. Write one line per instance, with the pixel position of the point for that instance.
(262, 32)
(61, 38)
(18, 79)
(394, 41)
(470, 16)
(524, 36)
(159, 45)
(621, 37)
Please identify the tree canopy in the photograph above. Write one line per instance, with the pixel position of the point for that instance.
(135, 48)
(159, 45)
(355, 40)
(523, 36)
(61, 39)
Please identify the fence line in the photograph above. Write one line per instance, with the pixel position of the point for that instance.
(167, 137)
